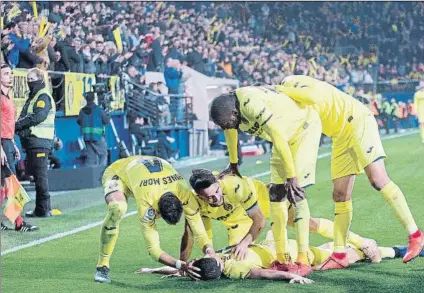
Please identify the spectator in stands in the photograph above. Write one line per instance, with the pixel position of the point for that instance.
(164, 149)
(88, 63)
(163, 105)
(195, 60)
(35, 127)
(55, 16)
(92, 120)
(173, 75)
(142, 134)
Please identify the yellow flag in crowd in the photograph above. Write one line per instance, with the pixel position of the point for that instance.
(293, 64)
(118, 41)
(16, 199)
(45, 30)
(34, 9)
(13, 12)
(42, 22)
(1, 23)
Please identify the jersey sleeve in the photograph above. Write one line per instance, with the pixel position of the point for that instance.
(208, 227)
(256, 110)
(191, 210)
(148, 228)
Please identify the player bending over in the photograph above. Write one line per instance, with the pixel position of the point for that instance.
(356, 146)
(231, 200)
(295, 133)
(159, 191)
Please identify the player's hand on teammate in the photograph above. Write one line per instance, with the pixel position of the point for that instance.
(190, 271)
(301, 280)
(294, 192)
(232, 169)
(241, 250)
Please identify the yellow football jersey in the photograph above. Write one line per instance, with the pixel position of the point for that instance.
(419, 104)
(259, 256)
(147, 179)
(260, 106)
(337, 110)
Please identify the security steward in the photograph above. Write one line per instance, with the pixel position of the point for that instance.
(35, 127)
(92, 120)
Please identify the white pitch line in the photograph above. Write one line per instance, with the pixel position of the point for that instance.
(92, 225)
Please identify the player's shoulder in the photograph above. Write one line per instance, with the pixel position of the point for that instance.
(299, 81)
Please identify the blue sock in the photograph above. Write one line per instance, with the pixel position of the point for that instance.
(400, 251)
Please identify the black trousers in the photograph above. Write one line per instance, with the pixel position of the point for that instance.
(9, 150)
(38, 164)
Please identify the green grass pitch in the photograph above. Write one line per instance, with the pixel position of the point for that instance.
(68, 264)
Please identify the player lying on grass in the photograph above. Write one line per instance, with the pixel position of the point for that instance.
(231, 200)
(356, 146)
(238, 204)
(295, 133)
(260, 256)
(159, 191)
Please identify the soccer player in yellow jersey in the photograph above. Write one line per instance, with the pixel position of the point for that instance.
(419, 105)
(295, 132)
(356, 146)
(260, 256)
(159, 191)
(231, 200)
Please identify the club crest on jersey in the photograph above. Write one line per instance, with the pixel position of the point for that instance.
(150, 214)
(227, 206)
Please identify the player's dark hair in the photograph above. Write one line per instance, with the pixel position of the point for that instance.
(201, 179)
(222, 108)
(209, 267)
(170, 208)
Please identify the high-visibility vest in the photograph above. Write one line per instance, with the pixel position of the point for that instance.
(92, 127)
(46, 128)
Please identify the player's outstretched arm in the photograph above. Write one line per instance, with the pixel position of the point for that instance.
(186, 243)
(231, 138)
(257, 273)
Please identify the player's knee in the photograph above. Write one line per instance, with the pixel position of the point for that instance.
(378, 182)
(341, 195)
(277, 192)
(117, 209)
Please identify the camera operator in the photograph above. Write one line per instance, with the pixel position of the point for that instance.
(92, 120)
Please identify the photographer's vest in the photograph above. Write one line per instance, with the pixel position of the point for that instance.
(46, 128)
(92, 125)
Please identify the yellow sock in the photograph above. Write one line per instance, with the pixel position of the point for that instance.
(342, 220)
(110, 231)
(301, 221)
(394, 196)
(326, 229)
(387, 252)
(279, 216)
(319, 255)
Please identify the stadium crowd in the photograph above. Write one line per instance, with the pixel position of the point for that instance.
(249, 41)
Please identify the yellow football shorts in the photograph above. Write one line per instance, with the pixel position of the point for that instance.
(112, 183)
(358, 148)
(304, 147)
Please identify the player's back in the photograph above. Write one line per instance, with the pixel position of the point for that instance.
(419, 103)
(335, 108)
(149, 177)
(259, 104)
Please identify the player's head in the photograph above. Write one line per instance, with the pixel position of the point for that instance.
(211, 268)
(6, 75)
(170, 208)
(206, 186)
(224, 111)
